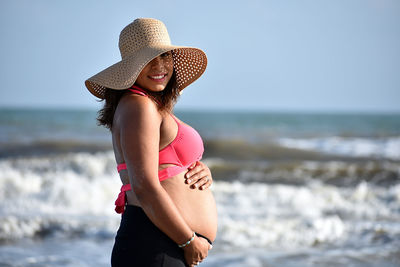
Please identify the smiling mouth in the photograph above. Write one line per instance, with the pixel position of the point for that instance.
(158, 78)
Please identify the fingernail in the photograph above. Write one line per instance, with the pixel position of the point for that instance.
(189, 181)
(187, 175)
(196, 185)
(210, 246)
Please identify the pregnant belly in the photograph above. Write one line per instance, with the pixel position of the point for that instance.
(196, 206)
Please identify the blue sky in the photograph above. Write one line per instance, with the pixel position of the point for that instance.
(341, 55)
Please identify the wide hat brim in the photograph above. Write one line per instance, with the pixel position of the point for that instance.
(189, 64)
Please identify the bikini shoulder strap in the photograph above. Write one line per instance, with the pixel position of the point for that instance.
(137, 90)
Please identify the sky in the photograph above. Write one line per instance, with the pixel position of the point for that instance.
(293, 55)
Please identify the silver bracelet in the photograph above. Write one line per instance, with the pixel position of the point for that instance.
(188, 242)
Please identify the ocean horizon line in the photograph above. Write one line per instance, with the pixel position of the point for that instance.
(215, 110)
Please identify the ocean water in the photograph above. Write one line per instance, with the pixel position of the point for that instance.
(292, 189)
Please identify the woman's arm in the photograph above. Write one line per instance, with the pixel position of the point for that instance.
(139, 124)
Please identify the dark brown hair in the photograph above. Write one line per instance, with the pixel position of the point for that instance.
(164, 99)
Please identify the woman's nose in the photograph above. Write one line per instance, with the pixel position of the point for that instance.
(157, 62)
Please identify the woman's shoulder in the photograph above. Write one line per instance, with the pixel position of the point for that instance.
(133, 108)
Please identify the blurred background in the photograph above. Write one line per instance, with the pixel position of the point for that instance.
(298, 108)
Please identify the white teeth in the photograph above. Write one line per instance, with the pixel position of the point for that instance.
(157, 77)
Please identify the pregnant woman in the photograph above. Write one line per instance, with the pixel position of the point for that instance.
(169, 216)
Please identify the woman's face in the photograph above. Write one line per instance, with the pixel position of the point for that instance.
(157, 73)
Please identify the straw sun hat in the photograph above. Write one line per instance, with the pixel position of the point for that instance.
(139, 43)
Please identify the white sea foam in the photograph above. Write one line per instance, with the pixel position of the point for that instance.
(262, 215)
(357, 147)
(74, 194)
(66, 193)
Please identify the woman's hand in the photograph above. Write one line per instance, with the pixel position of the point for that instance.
(196, 251)
(199, 176)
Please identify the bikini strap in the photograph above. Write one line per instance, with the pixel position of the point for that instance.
(175, 119)
(121, 166)
(137, 90)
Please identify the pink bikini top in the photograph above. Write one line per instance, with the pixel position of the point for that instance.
(183, 151)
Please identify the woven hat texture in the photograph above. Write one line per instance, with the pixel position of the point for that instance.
(140, 42)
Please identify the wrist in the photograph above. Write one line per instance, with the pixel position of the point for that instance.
(193, 245)
(188, 242)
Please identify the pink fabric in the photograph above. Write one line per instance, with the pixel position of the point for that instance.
(121, 199)
(186, 148)
(121, 167)
(171, 171)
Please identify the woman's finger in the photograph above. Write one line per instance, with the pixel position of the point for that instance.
(193, 165)
(203, 183)
(196, 174)
(195, 169)
(206, 185)
(196, 177)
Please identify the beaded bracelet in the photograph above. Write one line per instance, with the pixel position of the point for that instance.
(188, 242)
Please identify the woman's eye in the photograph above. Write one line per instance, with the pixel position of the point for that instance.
(166, 54)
